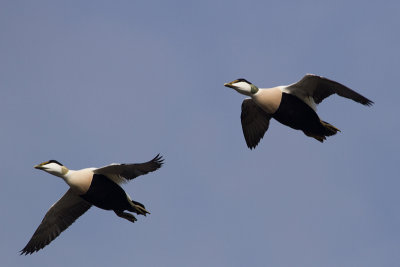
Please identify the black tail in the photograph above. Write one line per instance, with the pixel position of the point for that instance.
(327, 130)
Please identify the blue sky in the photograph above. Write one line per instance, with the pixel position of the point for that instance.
(89, 83)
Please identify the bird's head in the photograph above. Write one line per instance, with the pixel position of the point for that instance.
(53, 167)
(243, 86)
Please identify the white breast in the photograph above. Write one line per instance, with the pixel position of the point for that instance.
(268, 99)
(80, 181)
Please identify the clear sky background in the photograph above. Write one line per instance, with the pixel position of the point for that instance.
(89, 83)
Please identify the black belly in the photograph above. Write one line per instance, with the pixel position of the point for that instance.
(296, 114)
(105, 194)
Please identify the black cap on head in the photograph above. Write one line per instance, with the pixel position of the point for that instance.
(243, 80)
(54, 161)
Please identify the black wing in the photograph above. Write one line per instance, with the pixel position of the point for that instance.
(58, 218)
(131, 171)
(255, 122)
(320, 88)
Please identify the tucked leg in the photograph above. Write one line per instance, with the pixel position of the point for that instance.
(126, 215)
(138, 208)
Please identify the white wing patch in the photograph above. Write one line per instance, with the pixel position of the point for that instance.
(116, 178)
(309, 100)
(304, 96)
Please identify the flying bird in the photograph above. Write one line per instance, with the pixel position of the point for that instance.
(90, 186)
(293, 105)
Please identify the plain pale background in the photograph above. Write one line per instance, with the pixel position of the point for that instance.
(89, 83)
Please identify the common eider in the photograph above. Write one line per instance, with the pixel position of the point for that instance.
(293, 105)
(90, 186)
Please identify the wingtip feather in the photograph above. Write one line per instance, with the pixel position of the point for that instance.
(368, 103)
(158, 159)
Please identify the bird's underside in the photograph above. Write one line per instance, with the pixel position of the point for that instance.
(299, 116)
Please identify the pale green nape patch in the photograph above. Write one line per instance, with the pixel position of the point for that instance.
(254, 89)
(64, 170)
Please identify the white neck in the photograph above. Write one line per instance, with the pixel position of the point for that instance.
(243, 88)
(66, 177)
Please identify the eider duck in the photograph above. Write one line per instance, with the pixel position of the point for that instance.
(293, 105)
(90, 186)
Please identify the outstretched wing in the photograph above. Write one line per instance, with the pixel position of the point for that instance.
(58, 218)
(320, 88)
(123, 172)
(255, 122)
